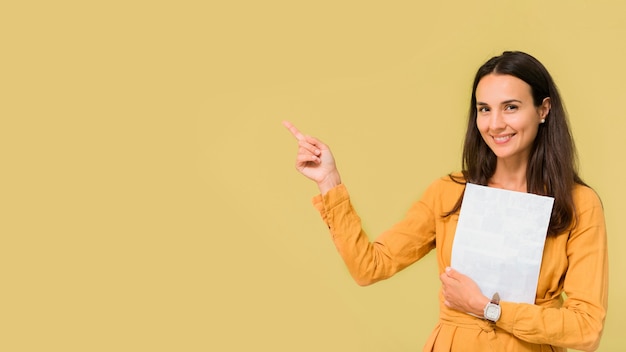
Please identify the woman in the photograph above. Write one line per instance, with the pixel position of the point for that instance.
(517, 139)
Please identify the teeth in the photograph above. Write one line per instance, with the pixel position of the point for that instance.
(502, 139)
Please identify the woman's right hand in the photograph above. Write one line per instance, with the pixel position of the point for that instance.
(314, 160)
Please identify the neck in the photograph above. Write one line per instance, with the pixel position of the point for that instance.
(509, 176)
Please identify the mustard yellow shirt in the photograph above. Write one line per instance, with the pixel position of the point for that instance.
(574, 263)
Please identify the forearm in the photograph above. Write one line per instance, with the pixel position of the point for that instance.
(398, 247)
(555, 326)
(367, 262)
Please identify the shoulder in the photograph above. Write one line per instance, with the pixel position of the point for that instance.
(453, 182)
(585, 198)
(446, 189)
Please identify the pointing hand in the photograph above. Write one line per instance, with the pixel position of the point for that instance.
(314, 160)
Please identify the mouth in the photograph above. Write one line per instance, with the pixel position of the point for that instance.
(501, 139)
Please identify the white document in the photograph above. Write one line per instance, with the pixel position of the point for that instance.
(499, 241)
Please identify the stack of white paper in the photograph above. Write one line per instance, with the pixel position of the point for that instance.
(499, 241)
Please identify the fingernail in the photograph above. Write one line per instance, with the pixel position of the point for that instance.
(448, 269)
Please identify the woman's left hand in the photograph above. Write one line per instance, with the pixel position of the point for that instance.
(461, 293)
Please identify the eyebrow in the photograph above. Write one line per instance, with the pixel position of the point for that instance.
(504, 102)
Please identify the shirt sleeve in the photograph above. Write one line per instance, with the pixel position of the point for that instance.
(578, 323)
(395, 249)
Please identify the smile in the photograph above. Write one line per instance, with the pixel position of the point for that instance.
(502, 139)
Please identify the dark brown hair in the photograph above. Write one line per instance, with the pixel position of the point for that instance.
(552, 165)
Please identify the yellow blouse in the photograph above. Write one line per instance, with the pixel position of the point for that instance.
(574, 263)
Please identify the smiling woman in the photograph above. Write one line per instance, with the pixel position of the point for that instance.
(517, 139)
(508, 119)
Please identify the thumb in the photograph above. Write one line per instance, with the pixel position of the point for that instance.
(451, 272)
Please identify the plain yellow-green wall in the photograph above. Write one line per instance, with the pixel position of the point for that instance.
(149, 200)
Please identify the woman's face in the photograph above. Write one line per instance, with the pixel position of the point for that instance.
(506, 117)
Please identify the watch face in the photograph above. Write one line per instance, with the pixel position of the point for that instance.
(492, 312)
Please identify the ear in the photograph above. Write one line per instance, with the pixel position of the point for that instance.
(544, 108)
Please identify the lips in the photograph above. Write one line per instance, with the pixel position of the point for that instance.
(501, 139)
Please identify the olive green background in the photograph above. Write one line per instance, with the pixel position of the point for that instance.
(149, 200)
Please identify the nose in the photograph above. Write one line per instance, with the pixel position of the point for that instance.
(496, 121)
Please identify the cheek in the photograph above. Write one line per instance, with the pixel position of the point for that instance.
(479, 124)
(482, 126)
(530, 129)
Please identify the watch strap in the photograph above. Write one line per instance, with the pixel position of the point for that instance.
(496, 299)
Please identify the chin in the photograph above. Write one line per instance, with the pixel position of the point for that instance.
(502, 154)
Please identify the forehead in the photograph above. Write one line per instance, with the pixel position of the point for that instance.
(495, 88)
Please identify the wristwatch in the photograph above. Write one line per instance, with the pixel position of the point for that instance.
(492, 309)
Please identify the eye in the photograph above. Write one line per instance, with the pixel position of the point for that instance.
(510, 107)
(483, 109)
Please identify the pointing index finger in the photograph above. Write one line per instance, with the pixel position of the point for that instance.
(294, 131)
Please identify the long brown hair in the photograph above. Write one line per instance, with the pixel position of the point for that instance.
(552, 165)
